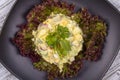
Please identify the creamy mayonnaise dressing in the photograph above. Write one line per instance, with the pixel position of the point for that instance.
(49, 25)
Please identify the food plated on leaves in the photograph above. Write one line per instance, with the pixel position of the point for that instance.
(57, 39)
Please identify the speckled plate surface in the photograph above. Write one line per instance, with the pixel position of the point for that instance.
(22, 66)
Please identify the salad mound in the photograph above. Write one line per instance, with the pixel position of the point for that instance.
(57, 39)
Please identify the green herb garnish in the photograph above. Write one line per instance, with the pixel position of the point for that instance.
(57, 40)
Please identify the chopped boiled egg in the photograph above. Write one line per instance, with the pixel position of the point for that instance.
(49, 54)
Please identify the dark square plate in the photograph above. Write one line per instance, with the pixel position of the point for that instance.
(22, 66)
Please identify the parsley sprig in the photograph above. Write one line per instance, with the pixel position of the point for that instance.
(57, 40)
